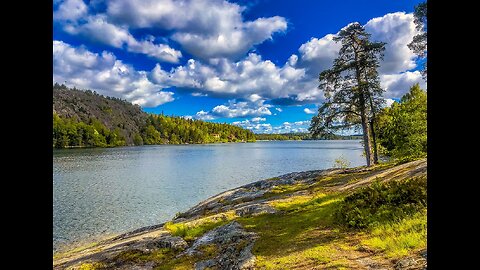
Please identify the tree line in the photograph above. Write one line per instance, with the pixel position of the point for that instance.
(159, 129)
(87, 119)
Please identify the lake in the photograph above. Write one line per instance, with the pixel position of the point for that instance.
(99, 192)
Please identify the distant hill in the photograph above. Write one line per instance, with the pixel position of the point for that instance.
(87, 119)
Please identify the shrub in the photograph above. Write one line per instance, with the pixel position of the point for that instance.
(381, 202)
(341, 163)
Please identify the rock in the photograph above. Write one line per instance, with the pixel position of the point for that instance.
(234, 248)
(254, 210)
(173, 242)
(204, 264)
(163, 241)
(411, 263)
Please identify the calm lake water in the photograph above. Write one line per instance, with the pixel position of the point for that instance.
(98, 192)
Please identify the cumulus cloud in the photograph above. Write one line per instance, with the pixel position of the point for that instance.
(318, 54)
(291, 127)
(216, 36)
(397, 85)
(309, 111)
(204, 28)
(103, 72)
(71, 10)
(296, 82)
(250, 78)
(237, 109)
(397, 30)
(98, 29)
(254, 126)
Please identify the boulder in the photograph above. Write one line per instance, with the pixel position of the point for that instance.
(234, 246)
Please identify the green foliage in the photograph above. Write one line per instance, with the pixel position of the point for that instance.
(351, 87)
(178, 130)
(382, 202)
(402, 128)
(419, 43)
(86, 119)
(341, 163)
(69, 132)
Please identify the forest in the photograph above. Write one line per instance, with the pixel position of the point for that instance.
(87, 119)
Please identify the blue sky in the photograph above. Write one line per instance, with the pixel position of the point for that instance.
(250, 63)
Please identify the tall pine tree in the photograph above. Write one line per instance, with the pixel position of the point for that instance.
(352, 88)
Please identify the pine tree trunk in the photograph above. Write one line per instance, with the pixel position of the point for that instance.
(374, 137)
(366, 133)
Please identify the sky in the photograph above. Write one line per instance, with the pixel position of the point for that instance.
(254, 64)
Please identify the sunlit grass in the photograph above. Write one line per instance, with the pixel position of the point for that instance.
(400, 238)
(191, 230)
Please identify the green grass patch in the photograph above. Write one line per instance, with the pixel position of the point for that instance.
(397, 239)
(190, 231)
(284, 189)
(301, 234)
(383, 202)
(91, 266)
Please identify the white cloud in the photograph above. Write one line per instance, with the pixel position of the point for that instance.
(104, 73)
(204, 28)
(389, 102)
(203, 115)
(309, 111)
(318, 54)
(71, 10)
(397, 85)
(234, 109)
(397, 30)
(251, 78)
(217, 35)
(254, 126)
(279, 109)
(294, 127)
(296, 82)
(258, 119)
(240, 109)
(98, 29)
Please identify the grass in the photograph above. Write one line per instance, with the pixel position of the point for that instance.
(190, 231)
(299, 235)
(285, 189)
(90, 266)
(305, 233)
(399, 238)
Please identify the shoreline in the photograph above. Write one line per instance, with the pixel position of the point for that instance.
(181, 144)
(241, 200)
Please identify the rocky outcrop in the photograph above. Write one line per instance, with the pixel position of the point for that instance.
(233, 244)
(230, 246)
(238, 197)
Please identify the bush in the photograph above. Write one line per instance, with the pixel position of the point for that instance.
(383, 202)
